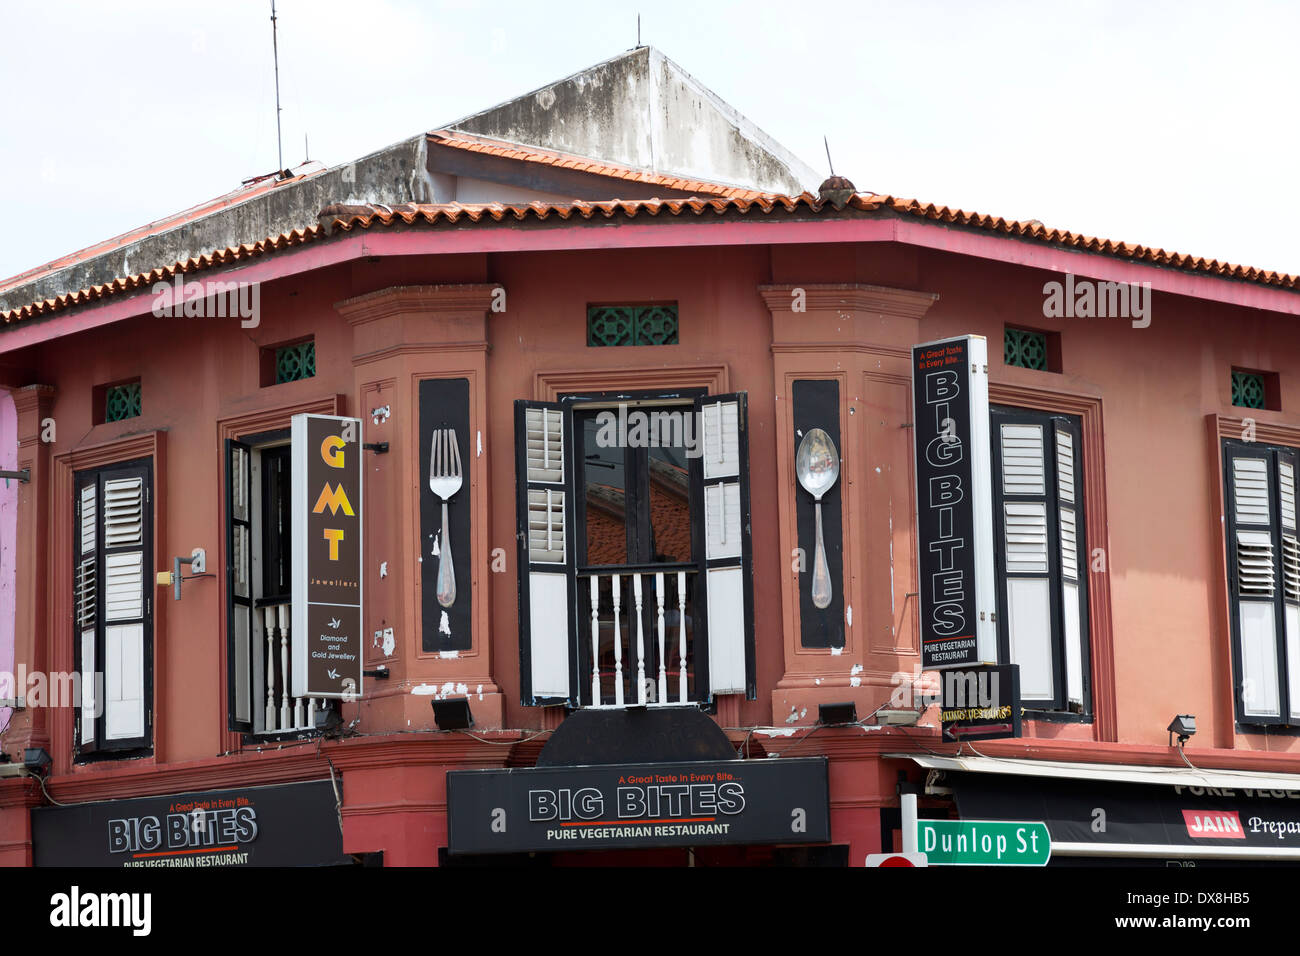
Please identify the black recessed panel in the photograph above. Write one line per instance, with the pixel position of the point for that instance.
(444, 403)
(816, 404)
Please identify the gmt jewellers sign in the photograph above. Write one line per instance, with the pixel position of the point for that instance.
(638, 805)
(291, 825)
(326, 506)
(954, 517)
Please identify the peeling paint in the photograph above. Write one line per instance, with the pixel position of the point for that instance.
(480, 444)
(390, 642)
(793, 716)
(444, 624)
(836, 651)
(817, 681)
(848, 614)
(435, 552)
(424, 690)
(776, 732)
(383, 569)
(449, 655)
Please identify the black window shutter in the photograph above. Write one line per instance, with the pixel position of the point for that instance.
(239, 586)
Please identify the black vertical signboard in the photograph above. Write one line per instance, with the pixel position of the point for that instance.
(953, 503)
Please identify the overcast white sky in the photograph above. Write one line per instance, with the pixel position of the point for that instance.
(1169, 124)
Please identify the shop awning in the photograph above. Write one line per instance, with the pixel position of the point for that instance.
(1130, 811)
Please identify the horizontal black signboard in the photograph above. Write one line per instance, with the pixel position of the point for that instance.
(981, 703)
(1100, 812)
(291, 825)
(638, 805)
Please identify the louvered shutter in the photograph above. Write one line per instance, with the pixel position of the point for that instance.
(1254, 575)
(124, 607)
(547, 595)
(239, 588)
(723, 467)
(86, 606)
(1287, 473)
(1025, 550)
(1073, 557)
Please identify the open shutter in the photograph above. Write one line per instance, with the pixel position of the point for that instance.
(123, 529)
(239, 587)
(1025, 549)
(547, 595)
(1289, 557)
(1074, 559)
(1253, 578)
(86, 606)
(726, 565)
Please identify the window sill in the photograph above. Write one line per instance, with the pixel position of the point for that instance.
(1056, 716)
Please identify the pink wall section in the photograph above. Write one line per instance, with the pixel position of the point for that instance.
(1156, 387)
(8, 543)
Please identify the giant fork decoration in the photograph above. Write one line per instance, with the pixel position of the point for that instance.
(444, 481)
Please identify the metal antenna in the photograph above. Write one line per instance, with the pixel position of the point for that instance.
(275, 49)
(638, 30)
(306, 149)
(828, 154)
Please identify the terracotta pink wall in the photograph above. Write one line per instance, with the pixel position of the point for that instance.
(1156, 386)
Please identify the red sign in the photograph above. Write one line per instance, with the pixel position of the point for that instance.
(1214, 824)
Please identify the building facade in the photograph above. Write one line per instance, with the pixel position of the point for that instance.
(627, 383)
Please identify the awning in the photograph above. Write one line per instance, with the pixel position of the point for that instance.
(1121, 773)
(1125, 810)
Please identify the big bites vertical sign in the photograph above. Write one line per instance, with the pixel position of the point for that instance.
(954, 517)
(326, 501)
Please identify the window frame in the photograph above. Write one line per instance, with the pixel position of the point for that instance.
(1273, 453)
(568, 402)
(1000, 413)
(124, 748)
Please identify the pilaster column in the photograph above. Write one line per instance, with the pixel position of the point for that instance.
(402, 336)
(859, 336)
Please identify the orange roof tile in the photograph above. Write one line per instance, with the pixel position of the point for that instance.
(761, 205)
(584, 164)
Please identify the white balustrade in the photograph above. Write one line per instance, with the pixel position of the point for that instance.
(287, 713)
(606, 595)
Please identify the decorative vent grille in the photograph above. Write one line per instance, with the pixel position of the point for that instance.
(121, 402)
(1248, 390)
(612, 325)
(294, 362)
(1025, 348)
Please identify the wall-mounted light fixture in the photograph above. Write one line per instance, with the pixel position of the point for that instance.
(452, 714)
(198, 562)
(1184, 725)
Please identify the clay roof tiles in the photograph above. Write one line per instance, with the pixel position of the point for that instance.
(349, 218)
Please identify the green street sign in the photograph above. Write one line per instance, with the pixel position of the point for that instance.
(983, 842)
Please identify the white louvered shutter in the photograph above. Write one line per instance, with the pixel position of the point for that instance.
(85, 610)
(547, 618)
(1028, 609)
(1287, 473)
(239, 590)
(724, 467)
(124, 607)
(1070, 525)
(1255, 575)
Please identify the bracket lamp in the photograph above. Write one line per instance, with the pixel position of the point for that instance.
(1184, 725)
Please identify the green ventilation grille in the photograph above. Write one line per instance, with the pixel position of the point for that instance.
(1248, 390)
(1025, 349)
(294, 362)
(121, 402)
(631, 325)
